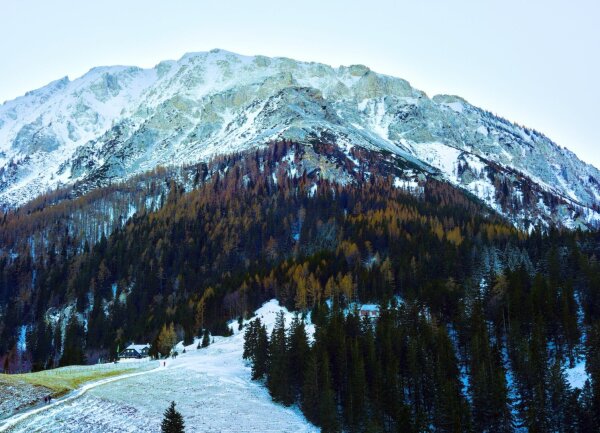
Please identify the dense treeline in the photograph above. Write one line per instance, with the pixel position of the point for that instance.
(487, 321)
(190, 262)
(413, 370)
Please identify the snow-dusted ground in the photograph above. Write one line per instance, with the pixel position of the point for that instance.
(211, 386)
(19, 393)
(24, 417)
(577, 375)
(14, 397)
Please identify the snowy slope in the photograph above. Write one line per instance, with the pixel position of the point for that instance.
(118, 121)
(211, 386)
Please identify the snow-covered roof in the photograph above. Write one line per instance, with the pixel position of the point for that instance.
(138, 347)
(369, 307)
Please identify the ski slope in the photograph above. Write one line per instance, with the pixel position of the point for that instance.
(211, 386)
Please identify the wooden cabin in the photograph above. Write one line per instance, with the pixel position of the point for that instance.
(136, 351)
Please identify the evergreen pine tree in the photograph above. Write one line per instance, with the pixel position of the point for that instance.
(73, 352)
(40, 342)
(261, 355)
(355, 403)
(559, 397)
(206, 338)
(587, 417)
(256, 348)
(250, 339)
(593, 369)
(372, 368)
(450, 411)
(327, 404)
(298, 352)
(535, 380)
(278, 371)
(310, 389)
(172, 421)
(490, 405)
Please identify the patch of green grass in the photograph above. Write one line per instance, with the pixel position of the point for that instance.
(62, 380)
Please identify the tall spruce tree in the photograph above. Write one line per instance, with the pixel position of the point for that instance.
(310, 389)
(535, 379)
(593, 369)
(250, 339)
(256, 348)
(559, 399)
(451, 412)
(298, 353)
(74, 345)
(490, 403)
(40, 342)
(355, 402)
(261, 353)
(328, 416)
(278, 367)
(206, 338)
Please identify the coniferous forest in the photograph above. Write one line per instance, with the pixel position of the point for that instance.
(479, 321)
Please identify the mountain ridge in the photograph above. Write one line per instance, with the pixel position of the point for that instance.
(118, 121)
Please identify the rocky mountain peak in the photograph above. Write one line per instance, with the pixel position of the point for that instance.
(115, 122)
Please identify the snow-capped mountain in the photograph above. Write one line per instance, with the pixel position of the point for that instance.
(115, 122)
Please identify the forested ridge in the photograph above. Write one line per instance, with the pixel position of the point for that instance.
(478, 322)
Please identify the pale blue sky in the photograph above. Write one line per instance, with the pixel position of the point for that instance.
(535, 62)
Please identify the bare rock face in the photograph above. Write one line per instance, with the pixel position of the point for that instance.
(115, 122)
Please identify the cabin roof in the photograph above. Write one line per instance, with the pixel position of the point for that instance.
(137, 347)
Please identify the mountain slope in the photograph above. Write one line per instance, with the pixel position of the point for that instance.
(477, 297)
(211, 386)
(115, 122)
